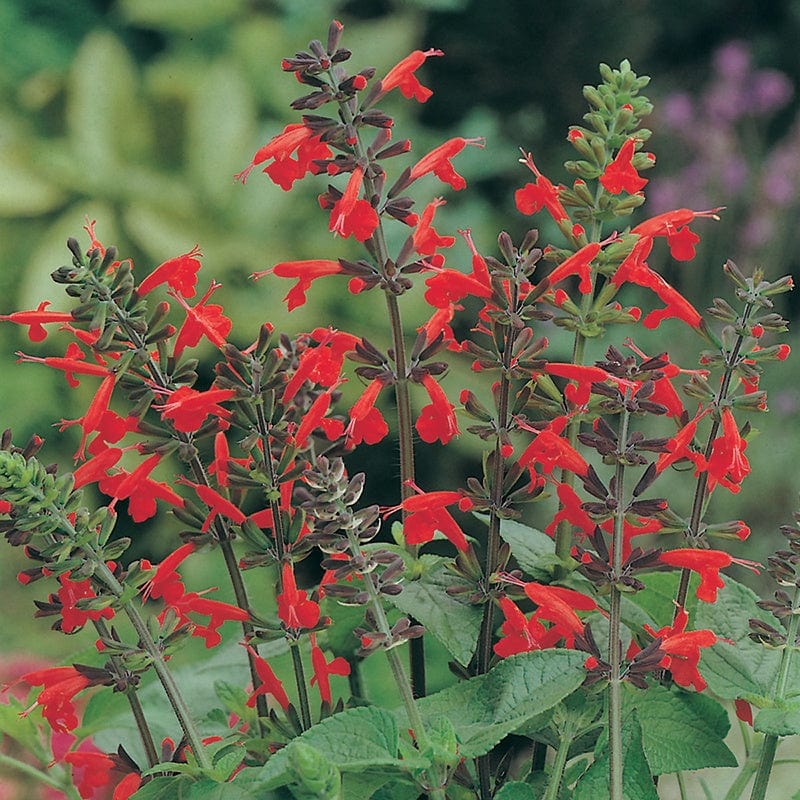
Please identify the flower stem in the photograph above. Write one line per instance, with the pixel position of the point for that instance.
(557, 769)
(300, 682)
(701, 487)
(770, 745)
(615, 616)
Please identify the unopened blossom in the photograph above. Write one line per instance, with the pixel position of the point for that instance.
(402, 76)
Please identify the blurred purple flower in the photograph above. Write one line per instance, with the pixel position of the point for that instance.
(771, 90)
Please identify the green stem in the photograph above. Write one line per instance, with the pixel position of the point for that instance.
(300, 682)
(38, 774)
(557, 769)
(405, 428)
(166, 677)
(770, 745)
(615, 620)
(133, 701)
(745, 775)
(701, 487)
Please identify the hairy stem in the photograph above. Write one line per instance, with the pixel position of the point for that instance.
(615, 619)
(300, 682)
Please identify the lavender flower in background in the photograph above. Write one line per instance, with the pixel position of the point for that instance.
(724, 127)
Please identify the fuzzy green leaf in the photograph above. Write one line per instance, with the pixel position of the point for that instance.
(779, 721)
(516, 790)
(681, 730)
(455, 624)
(356, 740)
(485, 709)
(534, 550)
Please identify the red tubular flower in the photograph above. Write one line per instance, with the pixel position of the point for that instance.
(285, 170)
(402, 76)
(166, 583)
(204, 319)
(90, 422)
(139, 490)
(620, 175)
(61, 684)
(674, 226)
(426, 514)
(95, 469)
(571, 512)
(351, 215)
(728, 465)
(436, 421)
(217, 504)
(583, 375)
(322, 363)
(270, 684)
(179, 272)
(295, 610)
(426, 240)
(216, 611)
(682, 650)
(35, 320)
(707, 564)
(323, 670)
(306, 272)
(367, 424)
(557, 605)
(551, 451)
(533, 197)
(315, 418)
(438, 161)
(73, 618)
(520, 634)
(439, 323)
(577, 264)
(189, 408)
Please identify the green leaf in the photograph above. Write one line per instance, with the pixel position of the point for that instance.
(636, 777)
(455, 624)
(681, 730)
(779, 721)
(516, 790)
(535, 551)
(246, 786)
(743, 669)
(484, 709)
(356, 740)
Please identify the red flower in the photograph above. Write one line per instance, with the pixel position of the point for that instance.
(61, 684)
(584, 376)
(682, 650)
(204, 319)
(306, 272)
(351, 215)
(673, 226)
(91, 421)
(426, 240)
(707, 564)
(35, 320)
(439, 323)
(366, 421)
(402, 76)
(285, 170)
(551, 451)
(728, 464)
(571, 512)
(520, 634)
(166, 583)
(179, 272)
(189, 408)
(73, 618)
(533, 197)
(436, 421)
(217, 504)
(620, 175)
(323, 670)
(91, 771)
(426, 514)
(321, 364)
(295, 610)
(139, 490)
(270, 684)
(438, 162)
(557, 605)
(315, 418)
(217, 612)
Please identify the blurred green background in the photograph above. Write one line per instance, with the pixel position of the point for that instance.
(137, 113)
